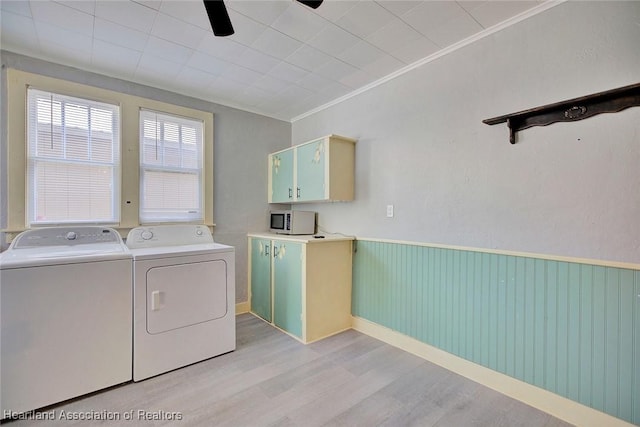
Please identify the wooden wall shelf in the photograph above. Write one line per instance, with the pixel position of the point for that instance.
(610, 101)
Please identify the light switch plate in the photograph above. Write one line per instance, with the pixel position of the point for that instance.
(389, 211)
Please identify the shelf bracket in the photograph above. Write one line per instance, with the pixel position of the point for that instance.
(610, 101)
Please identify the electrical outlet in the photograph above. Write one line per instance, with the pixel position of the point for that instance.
(389, 211)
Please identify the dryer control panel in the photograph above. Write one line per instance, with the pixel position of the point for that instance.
(168, 235)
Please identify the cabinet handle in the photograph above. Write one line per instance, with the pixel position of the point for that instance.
(266, 250)
(275, 251)
(290, 193)
(298, 192)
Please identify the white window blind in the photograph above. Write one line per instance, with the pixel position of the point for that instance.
(171, 188)
(73, 159)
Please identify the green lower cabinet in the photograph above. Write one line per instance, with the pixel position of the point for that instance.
(301, 285)
(287, 287)
(261, 278)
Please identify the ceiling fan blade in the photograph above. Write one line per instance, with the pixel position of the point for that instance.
(218, 17)
(313, 4)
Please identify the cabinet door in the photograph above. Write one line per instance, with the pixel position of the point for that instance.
(310, 168)
(281, 167)
(261, 278)
(287, 299)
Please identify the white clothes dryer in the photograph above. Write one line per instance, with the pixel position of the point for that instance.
(184, 297)
(66, 303)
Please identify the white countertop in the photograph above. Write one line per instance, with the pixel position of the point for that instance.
(304, 238)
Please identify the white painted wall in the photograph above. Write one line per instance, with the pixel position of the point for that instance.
(570, 189)
(242, 142)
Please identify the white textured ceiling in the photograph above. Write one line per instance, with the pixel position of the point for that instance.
(284, 59)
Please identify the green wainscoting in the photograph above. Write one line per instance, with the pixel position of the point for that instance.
(567, 327)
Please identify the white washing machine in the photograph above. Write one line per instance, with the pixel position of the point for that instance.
(184, 297)
(66, 311)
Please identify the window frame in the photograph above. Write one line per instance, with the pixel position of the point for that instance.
(32, 158)
(16, 98)
(198, 171)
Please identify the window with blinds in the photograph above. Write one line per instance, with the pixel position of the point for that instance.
(73, 155)
(171, 163)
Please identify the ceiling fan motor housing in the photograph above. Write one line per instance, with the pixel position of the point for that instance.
(219, 17)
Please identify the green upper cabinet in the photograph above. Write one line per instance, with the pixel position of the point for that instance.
(281, 177)
(261, 278)
(287, 287)
(310, 171)
(321, 170)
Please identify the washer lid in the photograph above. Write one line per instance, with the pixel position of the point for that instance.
(64, 245)
(57, 255)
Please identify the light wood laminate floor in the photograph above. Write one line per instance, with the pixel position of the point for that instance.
(272, 380)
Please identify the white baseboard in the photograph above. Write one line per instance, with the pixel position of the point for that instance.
(243, 307)
(551, 403)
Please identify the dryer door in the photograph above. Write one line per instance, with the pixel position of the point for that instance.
(183, 295)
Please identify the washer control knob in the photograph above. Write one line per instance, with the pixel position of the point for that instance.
(199, 232)
(146, 235)
(71, 235)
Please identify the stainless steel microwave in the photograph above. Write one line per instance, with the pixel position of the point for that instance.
(292, 222)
